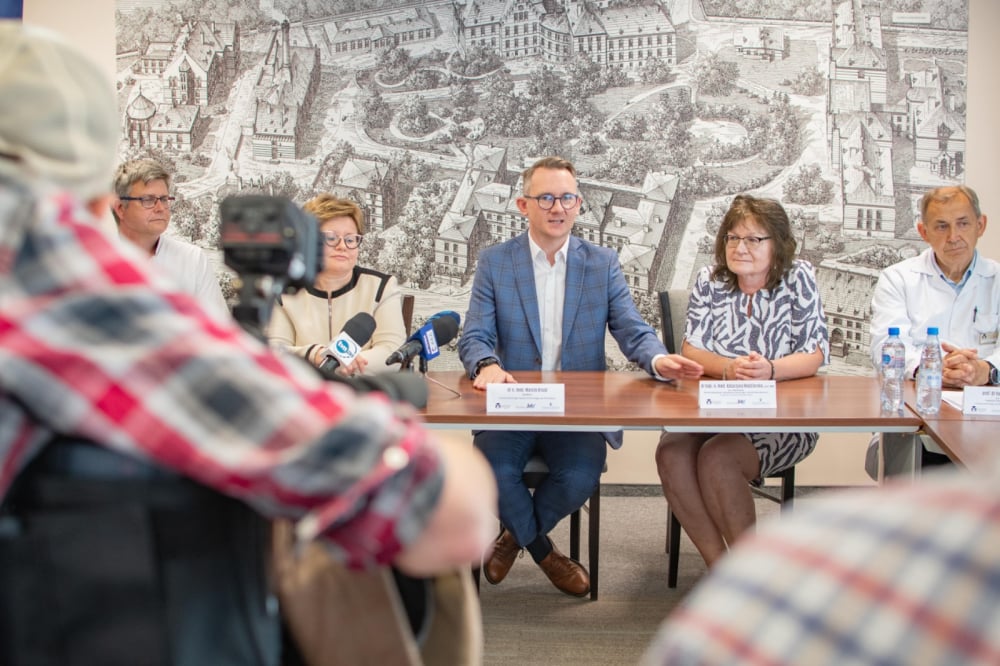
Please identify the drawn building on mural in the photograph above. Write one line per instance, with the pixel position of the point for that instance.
(371, 33)
(764, 42)
(286, 86)
(368, 184)
(861, 147)
(615, 36)
(182, 76)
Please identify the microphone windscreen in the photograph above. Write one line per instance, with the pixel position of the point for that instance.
(360, 327)
(445, 329)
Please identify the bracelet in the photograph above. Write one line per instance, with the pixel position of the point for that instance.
(771, 363)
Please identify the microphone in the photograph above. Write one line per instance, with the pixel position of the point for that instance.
(345, 347)
(439, 330)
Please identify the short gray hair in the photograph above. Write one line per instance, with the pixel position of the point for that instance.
(131, 172)
(946, 193)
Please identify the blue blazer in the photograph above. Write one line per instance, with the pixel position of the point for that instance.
(503, 319)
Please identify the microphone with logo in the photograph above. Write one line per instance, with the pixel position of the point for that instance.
(426, 342)
(345, 348)
(347, 345)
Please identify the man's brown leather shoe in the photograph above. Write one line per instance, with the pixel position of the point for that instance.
(567, 575)
(505, 551)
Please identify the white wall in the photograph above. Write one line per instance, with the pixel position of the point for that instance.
(838, 459)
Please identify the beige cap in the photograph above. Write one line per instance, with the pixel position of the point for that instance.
(58, 113)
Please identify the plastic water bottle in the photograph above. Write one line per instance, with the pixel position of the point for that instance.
(929, 376)
(892, 370)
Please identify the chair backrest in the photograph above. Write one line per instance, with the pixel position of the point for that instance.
(408, 312)
(673, 315)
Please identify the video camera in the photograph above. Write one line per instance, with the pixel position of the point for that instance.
(273, 245)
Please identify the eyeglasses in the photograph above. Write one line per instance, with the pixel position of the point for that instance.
(350, 240)
(752, 242)
(569, 200)
(149, 201)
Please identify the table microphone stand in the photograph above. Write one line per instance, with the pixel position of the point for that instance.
(408, 365)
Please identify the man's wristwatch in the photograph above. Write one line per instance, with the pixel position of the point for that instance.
(994, 378)
(488, 361)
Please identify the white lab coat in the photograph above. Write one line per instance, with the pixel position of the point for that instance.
(912, 296)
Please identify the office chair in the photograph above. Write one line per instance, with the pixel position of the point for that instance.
(674, 302)
(407, 305)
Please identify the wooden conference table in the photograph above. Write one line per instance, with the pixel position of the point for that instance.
(970, 440)
(605, 401)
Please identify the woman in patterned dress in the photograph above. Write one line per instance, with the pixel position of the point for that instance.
(755, 315)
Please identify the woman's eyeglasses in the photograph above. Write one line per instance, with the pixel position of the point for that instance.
(568, 201)
(351, 241)
(752, 242)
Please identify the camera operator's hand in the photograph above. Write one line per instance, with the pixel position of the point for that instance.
(464, 524)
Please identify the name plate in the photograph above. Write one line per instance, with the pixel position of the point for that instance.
(978, 400)
(526, 398)
(737, 395)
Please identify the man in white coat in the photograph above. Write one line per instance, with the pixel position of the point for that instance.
(949, 285)
(141, 209)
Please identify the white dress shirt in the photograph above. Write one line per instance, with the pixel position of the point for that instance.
(550, 289)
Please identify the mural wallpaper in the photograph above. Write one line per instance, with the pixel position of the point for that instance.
(425, 113)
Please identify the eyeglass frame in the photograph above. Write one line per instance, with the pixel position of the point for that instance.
(153, 200)
(331, 239)
(561, 199)
(751, 242)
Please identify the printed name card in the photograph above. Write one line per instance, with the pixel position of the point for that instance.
(737, 395)
(526, 398)
(981, 400)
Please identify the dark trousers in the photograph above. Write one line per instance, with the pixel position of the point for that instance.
(575, 461)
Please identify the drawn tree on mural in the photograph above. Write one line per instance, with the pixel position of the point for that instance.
(950, 14)
(394, 65)
(782, 138)
(807, 186)
(375, 111)
(414, 118)
(716, 76)
(656, 71)
(677, 147)
(809, 81)
(465, 100)
(475, 61)
(627, 164)
(807, 10)
(407, 249)
(588, 78)
(196, 219)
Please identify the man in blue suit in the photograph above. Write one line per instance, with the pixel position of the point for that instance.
(544, 301)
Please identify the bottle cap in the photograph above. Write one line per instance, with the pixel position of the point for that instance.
(893, 330)
(932, 330)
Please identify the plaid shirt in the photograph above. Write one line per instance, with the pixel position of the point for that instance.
(95, 345)
(903, 575)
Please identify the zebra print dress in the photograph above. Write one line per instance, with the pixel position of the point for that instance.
(785, 320)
